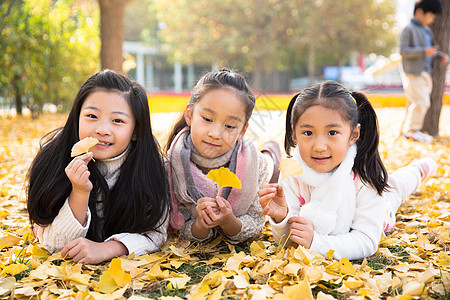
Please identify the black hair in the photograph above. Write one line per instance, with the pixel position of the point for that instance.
(354, 107)
(217, 79)
(137, 203)
(432, 6)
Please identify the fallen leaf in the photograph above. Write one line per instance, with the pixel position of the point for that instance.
(302, 289)
(8, 241)
(352, 283)
(177, 282)
(413, 288)
(107, 284)
(14, 269)
(346, 267)
(257, 248)
(83, 146)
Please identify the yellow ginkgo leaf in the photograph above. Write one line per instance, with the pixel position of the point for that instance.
(83, 146)
(224, 177)
(118, 274)
(14, 269)
(107, 283)
(8, 241)
(346, 267)
(290, 167)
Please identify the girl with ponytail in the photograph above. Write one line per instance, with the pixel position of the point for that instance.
(210, 135)
(344, 199)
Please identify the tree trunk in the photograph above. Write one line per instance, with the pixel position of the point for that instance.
(17, 94)
(111, 31)
(441, 31)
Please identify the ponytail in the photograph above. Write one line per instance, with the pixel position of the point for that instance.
(288, 141)
(368, 164)
(180, 124)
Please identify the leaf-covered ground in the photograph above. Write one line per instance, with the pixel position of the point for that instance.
(412, 263)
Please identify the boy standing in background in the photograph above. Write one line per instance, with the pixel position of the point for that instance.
(418, 49)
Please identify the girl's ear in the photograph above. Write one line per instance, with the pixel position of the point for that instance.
(188, 114)
(244, 130)
(293, 137)
(355, 134)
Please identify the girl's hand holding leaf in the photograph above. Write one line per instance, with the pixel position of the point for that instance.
(302, 231)
(273, 201)
(78, 173)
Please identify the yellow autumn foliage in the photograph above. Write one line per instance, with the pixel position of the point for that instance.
(412, 263)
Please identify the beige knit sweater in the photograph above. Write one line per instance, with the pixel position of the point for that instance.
(66, 228)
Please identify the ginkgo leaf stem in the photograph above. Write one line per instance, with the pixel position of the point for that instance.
(289, 235)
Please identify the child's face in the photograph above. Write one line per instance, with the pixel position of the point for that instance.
(217, 122)
(107, 117)
(323, 138)
(424, 18)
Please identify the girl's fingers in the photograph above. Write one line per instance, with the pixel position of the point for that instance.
(298, 219)
(265, 199)
(204, 206)
(206, 225)
(206, 218)
(87, 157)
(266, 210)
(223, 204)
(266, 189)
(67, 248)
(212, 215)
(85, 176)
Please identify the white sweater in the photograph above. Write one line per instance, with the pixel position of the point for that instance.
(65, 227)
(366, 226)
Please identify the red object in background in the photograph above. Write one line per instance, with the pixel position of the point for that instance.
(361, 62)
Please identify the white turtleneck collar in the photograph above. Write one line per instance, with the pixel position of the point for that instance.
(110, 167)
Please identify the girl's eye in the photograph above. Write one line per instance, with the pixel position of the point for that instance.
(91, 116)
(207, 119)
(118, 121)
(332, 132)
(230, 127)
(307, 133)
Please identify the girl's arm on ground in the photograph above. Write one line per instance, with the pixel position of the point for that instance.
(86, 251)
(140, 244)
(64, 228)
(365, 233)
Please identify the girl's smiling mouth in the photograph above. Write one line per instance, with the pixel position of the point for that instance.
(211, 145)
(321, 159)
(102, 144)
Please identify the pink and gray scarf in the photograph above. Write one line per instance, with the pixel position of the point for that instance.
(188, 184)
